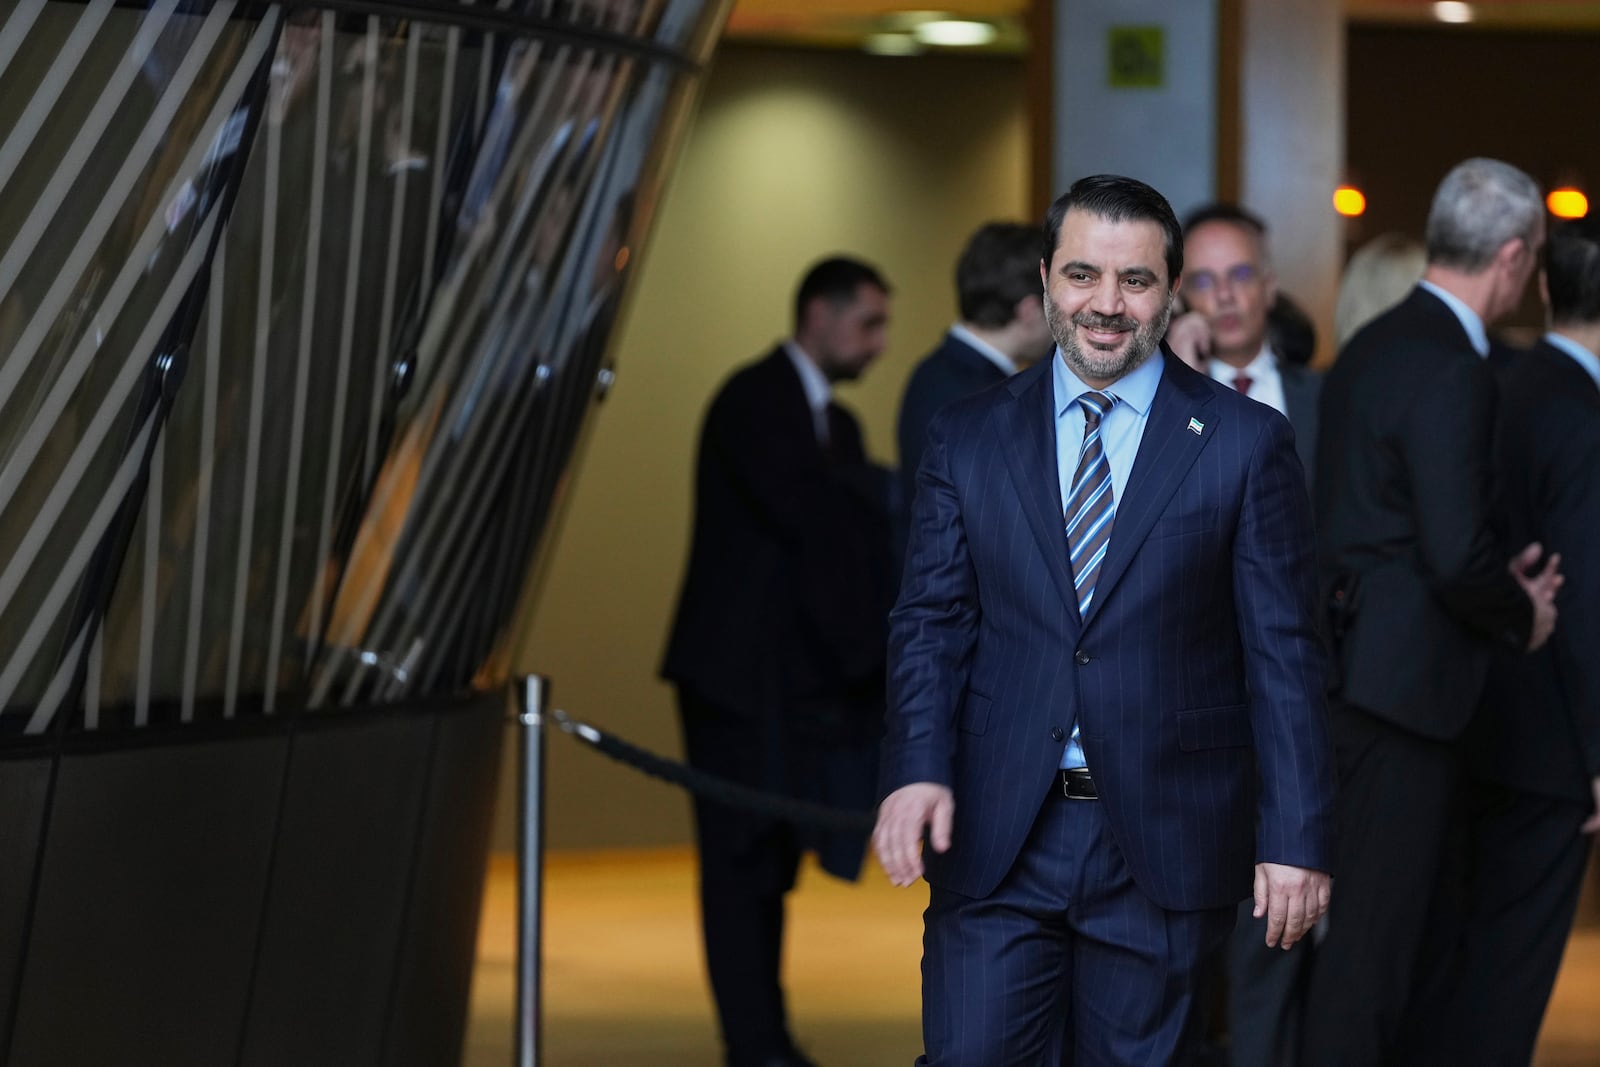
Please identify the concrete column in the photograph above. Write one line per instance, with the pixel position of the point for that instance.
(1211, 99)
(1136, 93)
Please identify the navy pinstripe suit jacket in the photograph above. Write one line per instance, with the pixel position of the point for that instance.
(1197, 678)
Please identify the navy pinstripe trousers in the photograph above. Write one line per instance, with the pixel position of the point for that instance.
(1067, 962)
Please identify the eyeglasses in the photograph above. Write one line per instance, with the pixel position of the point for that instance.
(1240, 274)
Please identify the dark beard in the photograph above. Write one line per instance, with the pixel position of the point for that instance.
(1097, 364)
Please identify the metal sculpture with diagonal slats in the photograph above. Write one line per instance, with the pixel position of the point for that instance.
(302, 306)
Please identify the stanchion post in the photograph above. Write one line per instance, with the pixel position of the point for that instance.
(532, 695)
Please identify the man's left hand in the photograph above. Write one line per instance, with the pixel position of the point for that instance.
(1292, 899)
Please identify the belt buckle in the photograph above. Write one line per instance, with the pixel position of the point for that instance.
(1088, 780)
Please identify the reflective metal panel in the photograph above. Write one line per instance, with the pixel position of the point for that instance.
(301, 310)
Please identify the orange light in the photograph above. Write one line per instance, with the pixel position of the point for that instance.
(1567, 203)
(1349, 201)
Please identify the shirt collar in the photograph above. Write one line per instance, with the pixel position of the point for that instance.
(1469, 318)
(983, 348)
(815, 383)
(1584, 358)
(1257, 369)
(1137, 388)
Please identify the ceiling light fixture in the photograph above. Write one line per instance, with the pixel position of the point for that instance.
(1349, 201)
(1567, 203)
(955, 33)
(1452, 11)
(892, 44)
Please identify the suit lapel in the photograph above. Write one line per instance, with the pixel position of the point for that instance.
(1181, 422)
(1028, 429)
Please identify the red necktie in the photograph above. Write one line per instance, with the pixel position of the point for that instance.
(1243, 382)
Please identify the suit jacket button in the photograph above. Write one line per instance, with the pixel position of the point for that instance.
(1056, 734)
(1082, 657)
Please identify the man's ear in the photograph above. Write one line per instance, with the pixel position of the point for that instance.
(1510, 253)
(1029, 309)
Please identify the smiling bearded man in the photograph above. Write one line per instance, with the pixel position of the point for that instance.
(1106, 685)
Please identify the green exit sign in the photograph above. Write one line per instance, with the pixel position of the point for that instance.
(1136, 57)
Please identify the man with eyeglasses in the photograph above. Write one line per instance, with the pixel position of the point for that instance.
(1231, 285)
(1230, 289)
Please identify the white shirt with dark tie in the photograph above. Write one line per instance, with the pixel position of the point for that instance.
(1265, 380)
(818, 392)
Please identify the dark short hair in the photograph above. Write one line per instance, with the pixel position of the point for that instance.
(1572, 272)
(998, 268)
(836, 280)
(1222, 211)
(1117, 199)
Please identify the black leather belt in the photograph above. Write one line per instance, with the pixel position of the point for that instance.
(1077, 785)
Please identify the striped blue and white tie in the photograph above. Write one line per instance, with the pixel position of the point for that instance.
(1092, 506)
(1088, 515)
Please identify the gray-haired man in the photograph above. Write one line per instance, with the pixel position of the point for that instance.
(1420, 596)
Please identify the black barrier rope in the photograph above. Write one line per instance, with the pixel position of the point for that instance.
(706, 785)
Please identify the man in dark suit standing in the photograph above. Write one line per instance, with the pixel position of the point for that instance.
(777, 649)
(1420, 595)
(1106, 690)
(1228, 280)
(1002, 331)
(1534, 751)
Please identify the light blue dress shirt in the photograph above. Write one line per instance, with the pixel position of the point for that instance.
(1469, 319)
(1121, 430)
(1582, 356)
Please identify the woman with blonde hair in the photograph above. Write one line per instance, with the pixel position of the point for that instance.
(1378, 276)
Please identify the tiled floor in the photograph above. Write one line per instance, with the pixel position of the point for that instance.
(623, 983)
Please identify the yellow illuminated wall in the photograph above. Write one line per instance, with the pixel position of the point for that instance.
(793, 155)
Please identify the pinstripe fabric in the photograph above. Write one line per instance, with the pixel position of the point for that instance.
(1206, 594)
(1195, 679)
(1065, 953)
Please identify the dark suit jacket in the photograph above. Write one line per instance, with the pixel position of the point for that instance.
(1403, 510)
(953, 370)
(1197, 678)
(1539, 729)
(784, 601)
(1302, 389)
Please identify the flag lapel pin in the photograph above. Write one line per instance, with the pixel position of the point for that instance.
(1196, 427)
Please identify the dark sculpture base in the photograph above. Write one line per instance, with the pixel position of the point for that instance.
(259, 892)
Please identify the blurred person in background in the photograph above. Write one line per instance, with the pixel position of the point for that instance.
(777, 649)
(1379, 275)
(1229, 283)
(1420, 594)
(1002, 330)
(1534, 749)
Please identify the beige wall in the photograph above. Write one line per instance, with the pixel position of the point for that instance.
(794, 155)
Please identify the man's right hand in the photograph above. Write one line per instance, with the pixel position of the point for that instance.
(1541, 589)
(902, 818)
(1189, 337)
